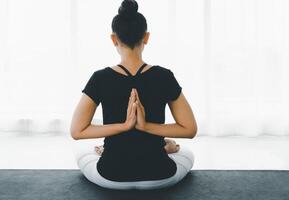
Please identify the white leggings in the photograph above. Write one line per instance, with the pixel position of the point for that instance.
(87, 160)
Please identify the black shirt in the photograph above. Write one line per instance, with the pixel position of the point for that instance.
(134, 155)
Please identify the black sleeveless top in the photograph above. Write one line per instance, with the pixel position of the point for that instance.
(134, 155)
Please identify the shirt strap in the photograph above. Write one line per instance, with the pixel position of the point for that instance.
(128, 73)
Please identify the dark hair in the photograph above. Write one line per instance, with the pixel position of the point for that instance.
(129, 25)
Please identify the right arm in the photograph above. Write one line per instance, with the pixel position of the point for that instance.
(81, 127)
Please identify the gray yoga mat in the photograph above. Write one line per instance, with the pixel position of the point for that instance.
(28, 184)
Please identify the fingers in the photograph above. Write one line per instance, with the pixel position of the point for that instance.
(137, 97)
(139, 110)
(138, 106)
(129, 106)
(135, 92)
(133, 114)
(134, 106)
(131, 100)
(133, 110)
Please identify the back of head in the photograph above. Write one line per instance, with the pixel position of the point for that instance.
(129, 25)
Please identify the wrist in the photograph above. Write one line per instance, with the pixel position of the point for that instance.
(123, 127)
(142, 127)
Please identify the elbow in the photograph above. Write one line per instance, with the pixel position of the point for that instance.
(193, 131)
(74, 135)
(77, 133)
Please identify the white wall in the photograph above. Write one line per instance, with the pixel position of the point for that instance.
(231, 58)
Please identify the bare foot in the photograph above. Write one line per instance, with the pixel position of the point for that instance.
(171, 146)
(99, 149)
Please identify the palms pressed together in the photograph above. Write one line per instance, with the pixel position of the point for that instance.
(136, 118)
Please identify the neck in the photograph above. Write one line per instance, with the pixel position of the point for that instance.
(131, 59)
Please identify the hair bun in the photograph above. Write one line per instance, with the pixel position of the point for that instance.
(128, 8)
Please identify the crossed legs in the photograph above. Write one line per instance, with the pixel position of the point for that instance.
(87, 158)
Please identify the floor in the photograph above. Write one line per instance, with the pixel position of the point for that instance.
(55, 151)
(47, 184)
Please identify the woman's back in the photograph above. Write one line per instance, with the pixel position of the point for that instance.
(133, 109)
(134, 155)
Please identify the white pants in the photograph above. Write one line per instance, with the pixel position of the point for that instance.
(87, 160)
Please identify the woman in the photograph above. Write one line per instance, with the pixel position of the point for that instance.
(133, 95)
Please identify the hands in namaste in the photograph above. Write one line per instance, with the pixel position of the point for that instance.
(135, 118)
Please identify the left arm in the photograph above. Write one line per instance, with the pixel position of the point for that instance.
(185, 126)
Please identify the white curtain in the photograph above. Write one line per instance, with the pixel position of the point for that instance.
(230, 57)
